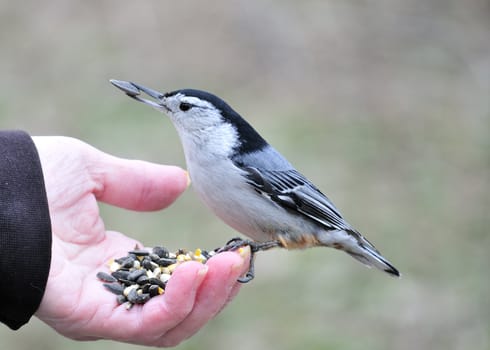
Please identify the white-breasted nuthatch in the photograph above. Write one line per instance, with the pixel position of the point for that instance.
(250, 185)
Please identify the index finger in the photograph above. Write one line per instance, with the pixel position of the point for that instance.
(136, 184)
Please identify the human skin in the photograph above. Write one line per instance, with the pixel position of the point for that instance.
(77, 176)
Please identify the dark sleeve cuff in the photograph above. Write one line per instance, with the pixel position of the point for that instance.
(25, 229)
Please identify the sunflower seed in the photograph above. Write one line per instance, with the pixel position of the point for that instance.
(138, 252)
(134, 275)
(106, 277)
(166, 261)
(143, 274)
(120, 274)
(157, 282)
(128, 262)
(142, 280)
(114, 288)
(162, 252)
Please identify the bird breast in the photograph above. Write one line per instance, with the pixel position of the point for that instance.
(225, 191)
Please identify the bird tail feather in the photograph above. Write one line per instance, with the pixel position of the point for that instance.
(365, 252)
(372, 258)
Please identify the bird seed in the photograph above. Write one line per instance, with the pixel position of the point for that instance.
(143, 274)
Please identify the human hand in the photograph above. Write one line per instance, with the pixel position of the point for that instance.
(74, 303)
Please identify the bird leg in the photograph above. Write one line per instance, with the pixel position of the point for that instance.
(237, 242)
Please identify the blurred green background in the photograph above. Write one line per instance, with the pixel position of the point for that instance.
(383, 104)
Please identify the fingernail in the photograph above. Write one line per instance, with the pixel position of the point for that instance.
(188, 178)
(244, 253)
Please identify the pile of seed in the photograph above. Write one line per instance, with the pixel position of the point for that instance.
(143, 274)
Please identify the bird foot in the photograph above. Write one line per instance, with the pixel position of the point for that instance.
(255, 247)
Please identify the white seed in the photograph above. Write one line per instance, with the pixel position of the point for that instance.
(157, 272)
(128, 289)
(164, 277)
(114, 266)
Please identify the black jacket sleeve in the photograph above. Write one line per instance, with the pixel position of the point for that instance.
(25, 229)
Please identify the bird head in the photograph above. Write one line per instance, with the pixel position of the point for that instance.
(201, 118)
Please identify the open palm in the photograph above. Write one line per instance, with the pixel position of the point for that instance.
(75, 303)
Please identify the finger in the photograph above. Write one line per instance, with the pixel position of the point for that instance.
(164, 313)
(137, 185)
(215, 292)
(145, 324)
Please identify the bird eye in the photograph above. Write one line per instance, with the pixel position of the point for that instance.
(185, 106)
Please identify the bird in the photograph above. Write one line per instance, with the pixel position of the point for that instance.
(248, 184)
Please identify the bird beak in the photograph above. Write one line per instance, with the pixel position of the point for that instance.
(133, 90)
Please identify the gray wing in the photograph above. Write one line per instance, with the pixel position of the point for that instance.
(291, 190)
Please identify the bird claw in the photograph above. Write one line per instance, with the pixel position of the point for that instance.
(255, 247)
